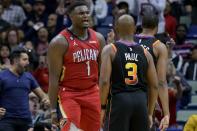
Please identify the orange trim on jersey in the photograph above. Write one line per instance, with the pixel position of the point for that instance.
(61, 108)
(62, 73)
(156, 42)
(114, 47)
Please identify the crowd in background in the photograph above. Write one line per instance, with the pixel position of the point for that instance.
(33, 23)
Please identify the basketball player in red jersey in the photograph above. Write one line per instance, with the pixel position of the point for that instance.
(73, 58)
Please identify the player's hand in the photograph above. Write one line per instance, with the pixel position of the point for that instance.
(2, 112)
(102, 117)
(150, 119)
(164, 123)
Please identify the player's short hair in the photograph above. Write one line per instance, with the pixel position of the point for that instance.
(150, 21)
(16, 53)
(76, 3)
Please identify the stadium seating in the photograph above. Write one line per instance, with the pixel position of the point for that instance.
(192, 32)
(192, 106)
(183, 115)
(193, 84)
(194, 99)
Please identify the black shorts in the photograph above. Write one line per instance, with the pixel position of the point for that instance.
(128, 112)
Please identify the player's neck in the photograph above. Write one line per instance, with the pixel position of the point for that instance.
(128, 38)
(148, 32)
(81, 33)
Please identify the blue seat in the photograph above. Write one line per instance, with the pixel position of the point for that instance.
(192, 32)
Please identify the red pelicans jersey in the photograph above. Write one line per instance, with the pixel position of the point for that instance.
(80, 70)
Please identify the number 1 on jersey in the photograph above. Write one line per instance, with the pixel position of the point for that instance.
(88, 67)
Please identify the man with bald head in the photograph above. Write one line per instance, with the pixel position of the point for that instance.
(127, 71)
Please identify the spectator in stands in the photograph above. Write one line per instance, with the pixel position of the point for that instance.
(42, 42)
(38, 114)
(190, 67)
(101, 9)
(120, 8)
(12, 38)
(3, 24)
(34, 107)
(62, 12)
(124, 7)
(42, 74)
(170, 21)
(174, 94)
(15, 86)
(191, 7)
(13, 14)
(4, 56)
(182, 47)
(53, 26)
(158, 5)
(33, 56)
(176, 8)
(3, 36)
(37, 20)
(28, 45)
(177, 62)
(170, 43)
(191, 124)
(28, 9)
(131, 5)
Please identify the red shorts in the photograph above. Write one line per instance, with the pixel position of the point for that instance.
(81, 109)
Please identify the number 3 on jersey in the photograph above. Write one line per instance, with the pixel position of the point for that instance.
(132, 74)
